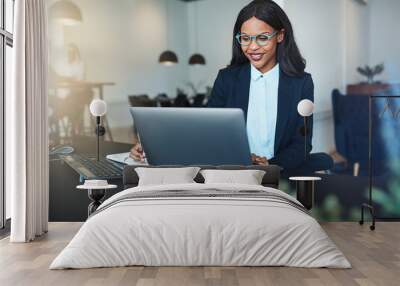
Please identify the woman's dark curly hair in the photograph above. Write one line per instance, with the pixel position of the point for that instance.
(288, 54)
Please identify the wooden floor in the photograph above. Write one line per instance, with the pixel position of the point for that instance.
(375, 257)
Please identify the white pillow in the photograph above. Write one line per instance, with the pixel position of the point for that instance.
(166, 176)
(248, 177)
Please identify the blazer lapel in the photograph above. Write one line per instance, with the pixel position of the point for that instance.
(284, 103)
(242, 89)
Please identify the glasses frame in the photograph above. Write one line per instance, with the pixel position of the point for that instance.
(254, 38)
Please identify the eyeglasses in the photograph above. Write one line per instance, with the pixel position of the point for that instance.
(261, 39)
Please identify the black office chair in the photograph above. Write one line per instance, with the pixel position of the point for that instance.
(181, 100)
(198, 100)
(350, 117)
(163, 100)
(142, 100)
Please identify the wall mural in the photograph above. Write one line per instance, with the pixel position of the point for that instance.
(138, 53)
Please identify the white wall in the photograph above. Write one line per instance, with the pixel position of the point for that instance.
(357, 35)
(319, 29)
(215, 20)
(384, 41)
(122, 43)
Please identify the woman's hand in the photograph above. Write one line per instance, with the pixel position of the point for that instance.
(258, 160)
(137, 153)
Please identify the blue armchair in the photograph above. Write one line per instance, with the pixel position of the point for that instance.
(351, 127)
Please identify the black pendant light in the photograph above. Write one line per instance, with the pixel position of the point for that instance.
(168, 57)
(197, 58)
(66, 12)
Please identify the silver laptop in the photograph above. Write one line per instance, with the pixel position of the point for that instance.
(192, 136)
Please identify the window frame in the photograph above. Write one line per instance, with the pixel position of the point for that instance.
(6, 39)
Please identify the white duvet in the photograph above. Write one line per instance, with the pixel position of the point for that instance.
(200, 231)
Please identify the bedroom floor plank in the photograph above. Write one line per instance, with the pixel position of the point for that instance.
(375, 257)
(131, 276)
(145, 282)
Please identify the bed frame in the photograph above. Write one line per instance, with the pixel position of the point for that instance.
(270, 179)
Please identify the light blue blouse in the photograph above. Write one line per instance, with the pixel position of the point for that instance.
(262, 111)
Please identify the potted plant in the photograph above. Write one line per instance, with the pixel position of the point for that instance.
(371, 72)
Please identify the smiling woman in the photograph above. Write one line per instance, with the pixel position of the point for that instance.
(266, 79)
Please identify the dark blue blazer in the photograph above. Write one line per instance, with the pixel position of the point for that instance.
(231, 89)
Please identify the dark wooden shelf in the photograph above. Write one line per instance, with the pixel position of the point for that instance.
(369, 89)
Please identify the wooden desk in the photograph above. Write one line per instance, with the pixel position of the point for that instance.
(74, 85)
(82, 84)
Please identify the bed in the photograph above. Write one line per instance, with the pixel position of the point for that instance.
(197, 224)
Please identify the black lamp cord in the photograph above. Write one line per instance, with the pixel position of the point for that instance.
(100, 131)
(305, 137)
(98, 123)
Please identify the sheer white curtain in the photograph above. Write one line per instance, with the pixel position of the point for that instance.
(26, 130)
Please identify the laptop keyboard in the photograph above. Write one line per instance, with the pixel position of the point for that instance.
(90, 168)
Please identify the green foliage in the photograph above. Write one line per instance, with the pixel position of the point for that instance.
(330, 209)
(389, 201)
